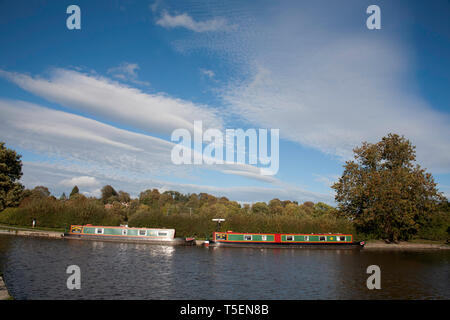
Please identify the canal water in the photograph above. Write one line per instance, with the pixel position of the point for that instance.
(36, 269)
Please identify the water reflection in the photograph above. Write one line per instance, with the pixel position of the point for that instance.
(35, 269)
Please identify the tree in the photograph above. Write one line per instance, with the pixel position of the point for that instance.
(384, 192)
(260, 208)
(63, 196)
(151, 197)
(10, 173)
(74, 192)
(275, 207)
(108, 192)
(40, 192)
(124, 197)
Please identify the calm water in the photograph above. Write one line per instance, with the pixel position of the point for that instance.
(36, 269)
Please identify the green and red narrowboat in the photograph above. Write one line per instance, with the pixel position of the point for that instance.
(126, 234)
(285, 240)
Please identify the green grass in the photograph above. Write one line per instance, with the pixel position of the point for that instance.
(29, 228)
(425, 241)
(418, 241)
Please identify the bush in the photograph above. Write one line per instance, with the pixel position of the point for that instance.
(52, 213)
(436, 228)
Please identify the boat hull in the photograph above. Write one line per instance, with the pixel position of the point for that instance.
(173, 242)
(353, 245)
(285, 240)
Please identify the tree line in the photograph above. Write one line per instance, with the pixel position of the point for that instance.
(382, 194)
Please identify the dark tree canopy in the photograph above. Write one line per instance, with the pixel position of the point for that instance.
(124, 196)
(384, 192)
(109, 194)
(74, 192)
(10, 172)
(40, 192)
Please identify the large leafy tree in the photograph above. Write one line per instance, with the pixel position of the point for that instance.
(384, 192)
(109, 194)
(10, 172)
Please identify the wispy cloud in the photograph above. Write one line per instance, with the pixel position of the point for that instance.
(71, 138)
(327, 180)
(127, 72)
(326, 81)
(154, 5)
(101, 97)
(83, 181)
(209, 73)
(184, 20)
(88, 153)
(329, 88)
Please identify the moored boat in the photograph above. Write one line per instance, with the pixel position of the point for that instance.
(126, 234)
(285, 240)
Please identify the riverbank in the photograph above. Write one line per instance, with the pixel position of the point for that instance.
(16, 231)
(403, 245)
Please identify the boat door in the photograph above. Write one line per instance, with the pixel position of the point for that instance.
(277, 237)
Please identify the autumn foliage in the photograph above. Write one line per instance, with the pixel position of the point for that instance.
(384, 192)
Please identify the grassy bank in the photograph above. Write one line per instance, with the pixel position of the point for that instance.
(415, 244)
(28, 228)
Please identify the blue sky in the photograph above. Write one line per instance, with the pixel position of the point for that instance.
(97, 106)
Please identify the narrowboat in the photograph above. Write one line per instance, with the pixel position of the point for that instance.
(126, 234)
(285, 240)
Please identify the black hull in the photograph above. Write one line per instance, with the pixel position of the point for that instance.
(353, 245)
(174, 242)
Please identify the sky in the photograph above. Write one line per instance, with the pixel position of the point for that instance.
(99, 105)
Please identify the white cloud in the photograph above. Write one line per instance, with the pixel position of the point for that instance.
(329, 86)
(74, 138)
(87, 153)
(100, 97)
(327, 180)
(127, 72)
(99, 147)
(326, 81)
(186, 21)
(83, 181)
(97, 193)
(154, 6)
(208, 73)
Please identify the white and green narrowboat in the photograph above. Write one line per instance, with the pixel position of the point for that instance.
(126, 234)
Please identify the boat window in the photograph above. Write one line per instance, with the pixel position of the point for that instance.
(264, 238)
(162, 233)
(306, 238)
(322, 238)
(247, 237)
(99, 230)
(341, 238)
(142, 232)
(124, 232)
(289, 238)
(221, 236)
